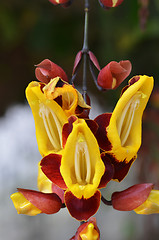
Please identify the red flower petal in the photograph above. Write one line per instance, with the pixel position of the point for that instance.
(48, 203)
(92, 125)
(59, 191)
(50, 165)
(67, 129)
(109, 171)
(101, 134)
(82, 209)
(132, 197)
(47, 70)
(120, 168)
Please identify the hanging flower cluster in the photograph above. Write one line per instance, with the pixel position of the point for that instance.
(80, 155)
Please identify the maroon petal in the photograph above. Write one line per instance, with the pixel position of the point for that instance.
(109, 171)
(94, 60)
(92, 125)
(67, 129)
(120, 168)
(101, 134)
(132, 197)
(50, 166)
(48, 203)
(59, 191)
(77, 61)
(47, 70)
(82, 209)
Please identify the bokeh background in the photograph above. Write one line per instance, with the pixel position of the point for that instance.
(33, 30)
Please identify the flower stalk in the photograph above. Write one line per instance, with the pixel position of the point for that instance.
(85, 49)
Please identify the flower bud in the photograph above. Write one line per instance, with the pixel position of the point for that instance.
(132, 197)
(110, 3)
(56, 2)
(47, 70)
(113, 74)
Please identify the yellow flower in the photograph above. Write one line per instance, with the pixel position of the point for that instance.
(81, 164)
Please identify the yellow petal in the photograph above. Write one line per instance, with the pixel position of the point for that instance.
(49, 119)
(67, 92)
(89, 233)
(151, 205)
(44, 184)
(23, 206)
(124, 129)
(81, 165)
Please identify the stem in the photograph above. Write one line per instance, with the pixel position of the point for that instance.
(106, 202)
(85, 49)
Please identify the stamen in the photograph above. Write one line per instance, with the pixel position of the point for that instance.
(51, 127)
(127, 116)
(82, 162)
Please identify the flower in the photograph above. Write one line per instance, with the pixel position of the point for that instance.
(79, 170)
(110, 3)
(113, 74)
(51, 106)
(119, 133)
(31, 202)
(141, 198)
(87, 231)
(47, 70)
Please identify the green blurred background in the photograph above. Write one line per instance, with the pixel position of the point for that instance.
(33, 30)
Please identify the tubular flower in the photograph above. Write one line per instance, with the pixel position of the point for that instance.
(119, 133)
(87, 231)
(51, 105)
(78, 170)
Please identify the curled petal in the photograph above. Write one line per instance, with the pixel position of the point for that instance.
(113, 74)
(48, 203)
(82, 209)
(50, 165)
(46, 70)
(59, 191)
(49, 119)
(111, 3)
(151, 205)
(132, 197)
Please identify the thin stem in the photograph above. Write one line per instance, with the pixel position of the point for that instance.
(85, 49)
(106, 202)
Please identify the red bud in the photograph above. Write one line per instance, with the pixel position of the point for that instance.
(48, 203)
(94, 60)
(111, 3)
(77, 61)
(46, 70)
(113, 74)
(56, 2)
(132, 197)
